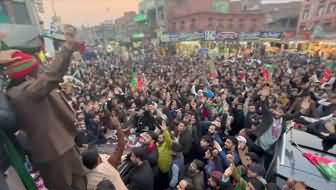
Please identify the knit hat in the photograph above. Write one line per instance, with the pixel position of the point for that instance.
(21, 67)
(241, 139)
(216, 176)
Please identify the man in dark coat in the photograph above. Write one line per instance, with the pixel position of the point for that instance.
(141, 177)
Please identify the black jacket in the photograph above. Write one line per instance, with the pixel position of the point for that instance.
(141, 178)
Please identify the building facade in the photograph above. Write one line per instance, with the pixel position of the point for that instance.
(317, 13)
(209, 15)
(125, 26)
(20, 21)
(281, 17)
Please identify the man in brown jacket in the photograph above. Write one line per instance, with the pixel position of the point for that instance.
(47, 118)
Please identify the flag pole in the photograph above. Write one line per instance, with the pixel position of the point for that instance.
(297, 146)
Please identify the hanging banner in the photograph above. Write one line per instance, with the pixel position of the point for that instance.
(271, 35)
(226, 36)
(191, 36)
(210, 35)
(249, 35)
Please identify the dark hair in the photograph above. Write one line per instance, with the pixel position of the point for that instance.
(90, 158)
(233, 139)
(190, 185)
(176, 147)
(139, 152)
(207, 138)
(105, 185)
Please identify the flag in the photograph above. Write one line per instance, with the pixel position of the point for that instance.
(17, 161)
(242, 76)
(267, 72)
(324, 165)
(212, 69)
(140, 81)
(134, 81)
(327, 74)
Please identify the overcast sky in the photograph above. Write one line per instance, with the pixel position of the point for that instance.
(90, 12)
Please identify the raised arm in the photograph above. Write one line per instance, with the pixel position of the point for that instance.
(49, 78)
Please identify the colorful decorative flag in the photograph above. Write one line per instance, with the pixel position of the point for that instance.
(327, 74)
(134, 81)
(267, 72)
(324, 165)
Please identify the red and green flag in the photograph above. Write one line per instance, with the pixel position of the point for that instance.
(136, 80)
(325, 166)
(212, 69)
(327, 72)
(267, 71)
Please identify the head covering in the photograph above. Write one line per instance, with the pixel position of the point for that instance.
(153, 135)
(254, 157)
(21, 67)
(217, 176)
(258, 169)
(241, 139)
(199, 164)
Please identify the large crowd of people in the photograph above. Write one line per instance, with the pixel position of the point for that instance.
(187, 123)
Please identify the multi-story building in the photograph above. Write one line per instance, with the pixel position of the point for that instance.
(125, 26)
(155, 13)
(19, 19)
(315, 13)
(281, 17)
(209, 15)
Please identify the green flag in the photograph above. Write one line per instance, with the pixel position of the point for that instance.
(325, 166)
(16, 160)
(134, 81)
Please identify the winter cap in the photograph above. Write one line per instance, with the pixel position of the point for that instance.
(241, 139)
(24, 65)
(217, 176)
(154, 135)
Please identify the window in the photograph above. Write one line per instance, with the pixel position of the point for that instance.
(174, 26)
(321, 10)
(3, 13)
(182, 25)
(254, 20)
(193, 24)
(21, 13)
(332, 8)
(210, 22)
(241, 20)
(241, 26)
(327, 26)
(305, 14)
(231, 26)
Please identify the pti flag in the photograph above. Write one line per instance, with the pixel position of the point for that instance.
(267, 72)
(327, 73)
(324, 165)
